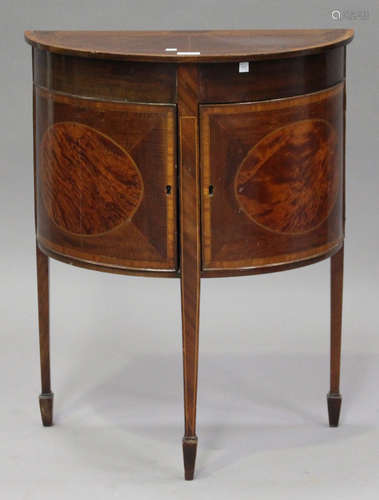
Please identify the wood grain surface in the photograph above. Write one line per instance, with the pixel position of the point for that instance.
(89, 183)
(106, 181)
(43, 287)
(105, 79)
(271, 78)
(191, 46)
(272, 180)
(334, 397)
(288, 182)
(190, 255)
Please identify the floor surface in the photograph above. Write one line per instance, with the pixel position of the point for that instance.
(117, 378)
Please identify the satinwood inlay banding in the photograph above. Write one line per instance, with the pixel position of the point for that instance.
(288, 182)
(88, 183)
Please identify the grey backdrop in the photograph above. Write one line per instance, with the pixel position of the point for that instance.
(116, 341)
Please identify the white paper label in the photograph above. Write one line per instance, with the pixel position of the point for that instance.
(243, 67)
(183, 53)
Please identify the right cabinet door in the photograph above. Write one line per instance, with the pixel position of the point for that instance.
(272, 178)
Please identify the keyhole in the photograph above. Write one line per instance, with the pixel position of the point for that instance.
(211, 190)
(168, 189)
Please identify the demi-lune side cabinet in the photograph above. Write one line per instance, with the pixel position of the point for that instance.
(189, 154)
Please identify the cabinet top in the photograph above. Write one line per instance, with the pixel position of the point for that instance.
(189, 46)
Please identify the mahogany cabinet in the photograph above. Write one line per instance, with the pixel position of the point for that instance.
(190, 154)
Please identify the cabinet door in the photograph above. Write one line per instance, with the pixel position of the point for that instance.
(106, 181)
(272, 180)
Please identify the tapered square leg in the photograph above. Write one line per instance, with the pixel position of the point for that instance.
(334, 397)
(46, 397)
(188, 83)
(190, 293)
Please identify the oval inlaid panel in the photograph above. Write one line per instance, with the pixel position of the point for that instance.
(288, 181)
(89, 184)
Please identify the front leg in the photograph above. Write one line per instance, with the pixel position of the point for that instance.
(190, 251)
(190, 288)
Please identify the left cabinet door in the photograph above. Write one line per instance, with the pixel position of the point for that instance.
(106, 181)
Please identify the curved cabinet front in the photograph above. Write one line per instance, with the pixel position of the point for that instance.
(232, 139)
(272, 180)
(106, 181)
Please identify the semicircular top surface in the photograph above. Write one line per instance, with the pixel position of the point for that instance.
(189, 46)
